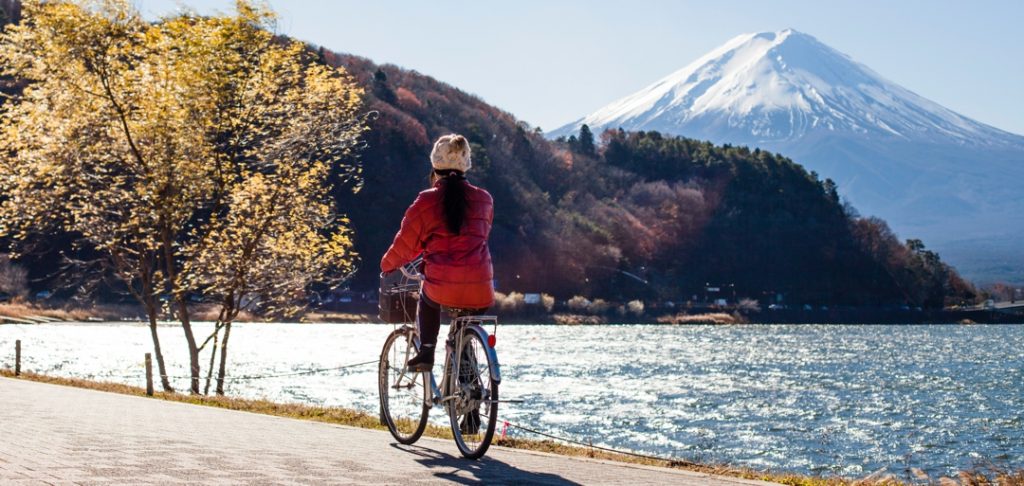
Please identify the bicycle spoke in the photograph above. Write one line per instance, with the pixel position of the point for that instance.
(403, 400)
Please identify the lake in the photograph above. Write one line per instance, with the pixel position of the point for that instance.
(828, 399)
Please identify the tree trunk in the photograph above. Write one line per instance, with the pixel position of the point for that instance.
(193, 349)
(152, 312)
(182, 304)
(143, 270)
(223, 358)
(213, 356)
(164, 379)
(190, 338)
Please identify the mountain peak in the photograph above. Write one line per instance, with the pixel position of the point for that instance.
(772, 39)
(778, 36)
(784, 85)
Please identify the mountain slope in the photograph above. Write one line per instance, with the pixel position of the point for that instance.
(931, 172)
(678, 213)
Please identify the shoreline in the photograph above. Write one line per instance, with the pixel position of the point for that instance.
(35, 314)
(359, 419)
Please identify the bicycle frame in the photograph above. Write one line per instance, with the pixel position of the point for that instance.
(474, 324)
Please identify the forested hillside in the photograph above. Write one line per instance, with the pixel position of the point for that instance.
(631, 214)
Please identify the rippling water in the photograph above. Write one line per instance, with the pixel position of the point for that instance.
(814, 399)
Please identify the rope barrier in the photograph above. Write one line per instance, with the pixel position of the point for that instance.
(592, 446)
(249, 377)
(297, 373)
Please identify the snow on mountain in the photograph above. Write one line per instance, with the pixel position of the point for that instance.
(781, 86)
(929, 171)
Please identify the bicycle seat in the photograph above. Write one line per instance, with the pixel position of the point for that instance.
(456, 312)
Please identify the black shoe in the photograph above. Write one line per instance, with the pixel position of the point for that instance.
(423, 361)
(470, 424)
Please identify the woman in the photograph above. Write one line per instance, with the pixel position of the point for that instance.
(449, 224)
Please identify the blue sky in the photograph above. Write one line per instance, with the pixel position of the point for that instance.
(550, 62)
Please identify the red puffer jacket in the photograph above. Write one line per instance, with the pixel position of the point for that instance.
(457, 267)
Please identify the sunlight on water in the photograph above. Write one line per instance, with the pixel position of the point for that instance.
(829, 399)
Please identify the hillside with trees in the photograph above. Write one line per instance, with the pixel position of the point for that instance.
(632, 215)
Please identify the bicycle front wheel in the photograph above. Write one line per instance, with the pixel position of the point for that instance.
(403, 394)
(473, 412)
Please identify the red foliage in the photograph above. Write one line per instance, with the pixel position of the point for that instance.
(408, 127)
(407, 100)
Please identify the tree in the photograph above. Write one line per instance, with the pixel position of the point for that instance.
(381, 87)
(573, 143)
(193, 153)
(586, 140)
(831, 190)
(915, 245)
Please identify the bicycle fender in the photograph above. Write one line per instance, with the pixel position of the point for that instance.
(496, 369)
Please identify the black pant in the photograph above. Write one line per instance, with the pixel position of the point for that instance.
(428, 319)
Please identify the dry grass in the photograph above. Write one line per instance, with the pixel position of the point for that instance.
(577, 319)
(353, 418)
(995, 477)
(339, 317)
(712, 318)
(22, 311)
(723, 470)
(104, 312)
(209, 312)
(1011, 478)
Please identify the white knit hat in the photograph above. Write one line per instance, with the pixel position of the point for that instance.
(451, 152)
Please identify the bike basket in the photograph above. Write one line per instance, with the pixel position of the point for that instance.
(397, 300)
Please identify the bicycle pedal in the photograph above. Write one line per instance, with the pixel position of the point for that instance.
(422, 367)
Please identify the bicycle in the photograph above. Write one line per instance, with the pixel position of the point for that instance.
(468, 390)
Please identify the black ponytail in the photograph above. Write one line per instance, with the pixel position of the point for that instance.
(453, 201)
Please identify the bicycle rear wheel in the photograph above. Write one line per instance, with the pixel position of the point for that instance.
(473, 412)
(403, 394)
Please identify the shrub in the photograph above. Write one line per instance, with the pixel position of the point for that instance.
(599, 306)
(514, 302)
(579, 304)
(749, 305)
(13, 277)
(548, 302)
(635, 307)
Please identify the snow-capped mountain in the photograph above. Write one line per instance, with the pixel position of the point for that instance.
(929, 171)
(778, 86)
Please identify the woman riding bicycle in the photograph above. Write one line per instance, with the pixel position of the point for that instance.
(449, 224)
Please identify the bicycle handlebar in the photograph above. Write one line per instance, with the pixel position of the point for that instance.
(411, 271)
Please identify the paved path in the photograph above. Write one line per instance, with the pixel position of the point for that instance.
(62, 435)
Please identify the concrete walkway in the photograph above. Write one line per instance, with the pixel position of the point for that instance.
(52, 434)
